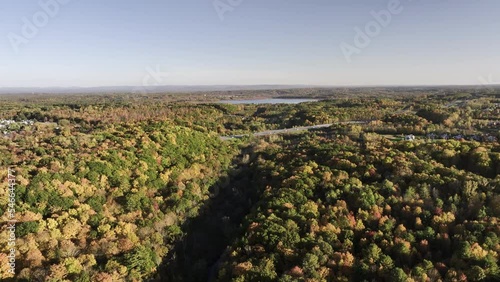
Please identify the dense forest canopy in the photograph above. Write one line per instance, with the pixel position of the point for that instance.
(402, 185)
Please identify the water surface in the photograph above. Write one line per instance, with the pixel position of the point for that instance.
(268, 101)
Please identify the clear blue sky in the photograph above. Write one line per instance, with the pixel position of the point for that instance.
(111, 43)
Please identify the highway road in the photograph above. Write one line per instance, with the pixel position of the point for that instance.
(292, 130)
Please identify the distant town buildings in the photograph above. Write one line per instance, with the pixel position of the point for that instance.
(410, 137)
(472, 137)
(9, 125)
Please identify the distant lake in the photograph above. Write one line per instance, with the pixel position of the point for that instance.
(267, 101)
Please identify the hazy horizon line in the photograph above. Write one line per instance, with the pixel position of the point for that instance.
(61, 90)
(248, 85)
